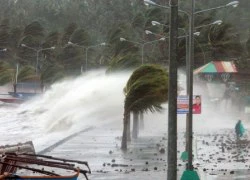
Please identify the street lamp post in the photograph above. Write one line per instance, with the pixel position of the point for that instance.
(80, 46)
(86, 53)
(37, 53)
(190, 75)
(87, 48)
(190, 69)
(172, 92)
(142, 45)
(187, 56)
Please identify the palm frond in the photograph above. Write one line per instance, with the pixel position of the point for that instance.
(124, 63)
(6, 73)
(146, 89)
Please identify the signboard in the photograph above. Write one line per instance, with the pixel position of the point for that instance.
(182, 104)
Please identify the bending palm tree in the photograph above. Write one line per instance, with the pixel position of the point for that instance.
(146, 90)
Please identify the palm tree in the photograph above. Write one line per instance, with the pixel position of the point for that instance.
(124, 63)
(52, 73)
(6, 73)
(145, 90)
(225, 41)
(9, 74)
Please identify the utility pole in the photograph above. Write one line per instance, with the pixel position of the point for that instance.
(172, 92)
(190, 88)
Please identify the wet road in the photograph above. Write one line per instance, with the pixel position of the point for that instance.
(144, 161)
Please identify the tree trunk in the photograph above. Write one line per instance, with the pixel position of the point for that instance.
(141, 121)
(135, 125)
(128, 128)
(14, 86)
(125, 129)
(42, 86)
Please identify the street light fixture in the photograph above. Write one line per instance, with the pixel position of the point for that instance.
(37, 53)
(122, 39)
(154, 23)
(142, 45)
(148, 2)
(148, 32)
(218, 22)
(233, 3)
(70, 43)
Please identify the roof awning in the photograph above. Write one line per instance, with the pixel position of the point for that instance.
(217, 67)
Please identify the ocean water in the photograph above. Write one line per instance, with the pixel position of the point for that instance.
(68, 106)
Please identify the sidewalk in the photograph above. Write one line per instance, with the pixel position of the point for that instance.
(101, 148)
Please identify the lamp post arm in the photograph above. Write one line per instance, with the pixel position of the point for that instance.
(77, 45)
(37, 50)
(94, 46)
(179, 37)
(208, 25)
(184, 12)
(206, 10)
(45, 49)
(158, 5)
(134, 42)
(31, 48)
(149, 42)
(198, 27)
